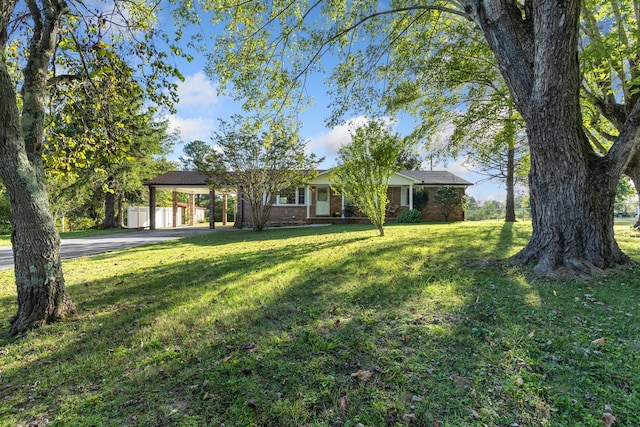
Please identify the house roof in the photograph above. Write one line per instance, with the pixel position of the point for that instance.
(196, 182)
(435, 177)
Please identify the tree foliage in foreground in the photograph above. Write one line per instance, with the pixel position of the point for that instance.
(364, 168)
(46, 44)
(263, 157)
(103, 138)
(268, 50)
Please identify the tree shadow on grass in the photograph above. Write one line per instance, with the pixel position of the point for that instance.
(294, 335)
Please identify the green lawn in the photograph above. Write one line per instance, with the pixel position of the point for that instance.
(330, 326)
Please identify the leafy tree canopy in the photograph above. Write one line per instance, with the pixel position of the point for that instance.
(263, 157)
(365, 167)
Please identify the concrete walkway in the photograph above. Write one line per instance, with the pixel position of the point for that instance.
(74, 248)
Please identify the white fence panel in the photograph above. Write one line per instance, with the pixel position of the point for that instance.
(138, 217)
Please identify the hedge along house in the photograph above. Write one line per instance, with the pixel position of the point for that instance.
(318, 203)
(314, 203)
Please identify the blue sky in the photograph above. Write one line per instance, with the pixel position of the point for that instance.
(200, 107)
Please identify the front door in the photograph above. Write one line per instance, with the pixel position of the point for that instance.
(322, 201)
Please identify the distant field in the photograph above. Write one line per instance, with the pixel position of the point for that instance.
(330, 326)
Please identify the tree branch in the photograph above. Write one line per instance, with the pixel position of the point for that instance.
(331, 40)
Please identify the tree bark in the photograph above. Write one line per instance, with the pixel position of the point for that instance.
(572, 189)
(510, 211)
(42, 296)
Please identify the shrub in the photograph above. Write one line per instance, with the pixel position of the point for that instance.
(410, 216)
(348, 210)
(420, 198)
(79, 224)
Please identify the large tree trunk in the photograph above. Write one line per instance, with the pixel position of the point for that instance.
(42, 297)
(510, 211)
(572, 190)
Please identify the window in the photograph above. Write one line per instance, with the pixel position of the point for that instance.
(291, 196)
(323, 194)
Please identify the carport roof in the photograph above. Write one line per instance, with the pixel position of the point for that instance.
(179, 178)
(190, 182)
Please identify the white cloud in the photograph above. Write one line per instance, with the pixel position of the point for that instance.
(197, 91)
(191, 129)
(327, 144)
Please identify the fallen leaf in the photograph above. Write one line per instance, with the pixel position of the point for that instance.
(600, 341)
(460, 382)
(250, 346)
(474, 394)
(519, 382)
(474, 414)
(362, 375)
(410, 417)
(226, 359)
(608, 419)
(343, 404)
(524, 364)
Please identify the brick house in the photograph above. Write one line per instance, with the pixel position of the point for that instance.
(317, 202)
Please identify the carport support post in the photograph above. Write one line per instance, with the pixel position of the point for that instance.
(212, 209)
(175, 209)
(152, 208)
(192, 208)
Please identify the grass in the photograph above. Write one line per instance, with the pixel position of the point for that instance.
(330, 326)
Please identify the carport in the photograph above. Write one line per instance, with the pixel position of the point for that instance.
(186, 182)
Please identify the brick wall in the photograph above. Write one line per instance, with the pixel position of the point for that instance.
(282, 215)
(433, 211)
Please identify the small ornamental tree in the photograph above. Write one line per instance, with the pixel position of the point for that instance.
(420, 198)
(263, 157)
(451, 199)
(364, 169)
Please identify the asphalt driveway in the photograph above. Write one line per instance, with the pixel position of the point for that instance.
(74, 248)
